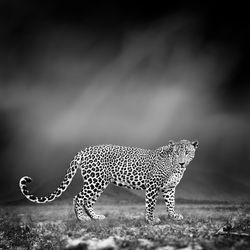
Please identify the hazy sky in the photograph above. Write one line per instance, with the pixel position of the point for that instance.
(74, 76)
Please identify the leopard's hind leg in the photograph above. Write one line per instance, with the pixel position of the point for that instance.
(78, 207)
(87, 198)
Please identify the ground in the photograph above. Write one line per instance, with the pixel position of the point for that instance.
(205, 226)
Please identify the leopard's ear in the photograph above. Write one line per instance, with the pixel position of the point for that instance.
(171, 142)
(170, 145)
(195, 144)
(165, 149)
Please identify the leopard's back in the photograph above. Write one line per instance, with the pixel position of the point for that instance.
(121, 165)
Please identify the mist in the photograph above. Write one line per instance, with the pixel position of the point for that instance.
(72, 87)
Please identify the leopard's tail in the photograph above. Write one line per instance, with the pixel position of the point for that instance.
(74, 164)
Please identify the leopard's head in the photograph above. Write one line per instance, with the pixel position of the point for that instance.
(183, 152)
(180, 153)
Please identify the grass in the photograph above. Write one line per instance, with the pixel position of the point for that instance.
(52, 226)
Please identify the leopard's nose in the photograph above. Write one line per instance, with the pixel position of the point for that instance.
(182, 163)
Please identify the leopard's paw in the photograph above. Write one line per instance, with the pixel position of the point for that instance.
(152, 220)
(99, 217)
(82, 218)
(176, 216)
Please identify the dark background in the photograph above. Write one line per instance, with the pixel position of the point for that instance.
(77, 75)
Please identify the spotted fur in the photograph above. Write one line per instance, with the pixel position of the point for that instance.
(134, 168)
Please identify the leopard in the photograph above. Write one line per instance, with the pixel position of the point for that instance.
(153, 170)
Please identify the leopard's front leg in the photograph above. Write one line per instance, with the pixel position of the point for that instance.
(150, 198)
(169, 198)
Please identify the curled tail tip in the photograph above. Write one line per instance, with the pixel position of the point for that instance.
(25, 179)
